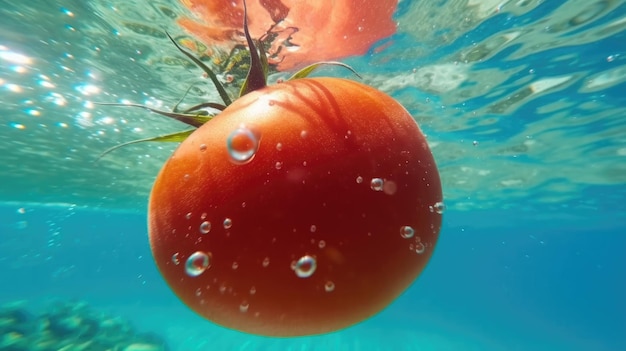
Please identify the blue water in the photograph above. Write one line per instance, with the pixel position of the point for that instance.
(524, 105)
(536, 285)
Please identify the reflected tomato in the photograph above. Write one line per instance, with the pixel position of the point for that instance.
(303, 32)
(303, 208)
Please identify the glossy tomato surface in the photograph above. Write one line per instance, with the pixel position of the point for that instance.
(305, 207)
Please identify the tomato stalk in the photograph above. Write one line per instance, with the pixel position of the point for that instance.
(197, 115)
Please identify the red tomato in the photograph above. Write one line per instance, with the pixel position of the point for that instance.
(304, 207)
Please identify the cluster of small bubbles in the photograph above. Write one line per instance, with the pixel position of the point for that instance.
(279, 165)
(197, 263)
(244, 307)
(188, 215)
(266, 262)
(329, 286)
(202, 147)
(305, 266)
(313, 228)
(205, 227)
(359, 180)
(228, 223)
(242, 144)
(407, 232)
(321, 244)
(377, 184)
(175, 259)
(279, 146)
(235, 265)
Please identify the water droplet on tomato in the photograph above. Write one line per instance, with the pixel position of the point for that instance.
(242, 145)
(420, 247)
(329, 286)
(197, 263)
(175, 259)
(390, 187)
(205, 227)
(377, 184)
(407, 232)
(228, 223)
(439, 207)
(244, 307)
(305, 266)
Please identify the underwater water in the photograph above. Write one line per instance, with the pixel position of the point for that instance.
(524, 106)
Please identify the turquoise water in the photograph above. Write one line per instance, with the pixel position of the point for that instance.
(523, 103)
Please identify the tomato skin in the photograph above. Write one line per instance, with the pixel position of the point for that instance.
(306, 191)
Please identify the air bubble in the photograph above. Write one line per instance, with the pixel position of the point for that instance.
(175, 259)
(279, 146)
(266, 262)
(377, 184)
(235, 265)
(205, 227)
(197, 263)
(188, 215)
(329, 286)
(252, 290)
(242, 144)
(407, 232)
(359, 180)
(305, 266)
(203, 147)
(313, 228)
(228, 223)
(321, 244)
(303, 134)
(279, 165)
(439, 207)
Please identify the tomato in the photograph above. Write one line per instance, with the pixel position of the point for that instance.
(303, 208)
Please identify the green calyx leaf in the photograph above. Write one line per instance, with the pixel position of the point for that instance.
(306, 71)
(187, 117)
(173, 137)
(207, 70)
